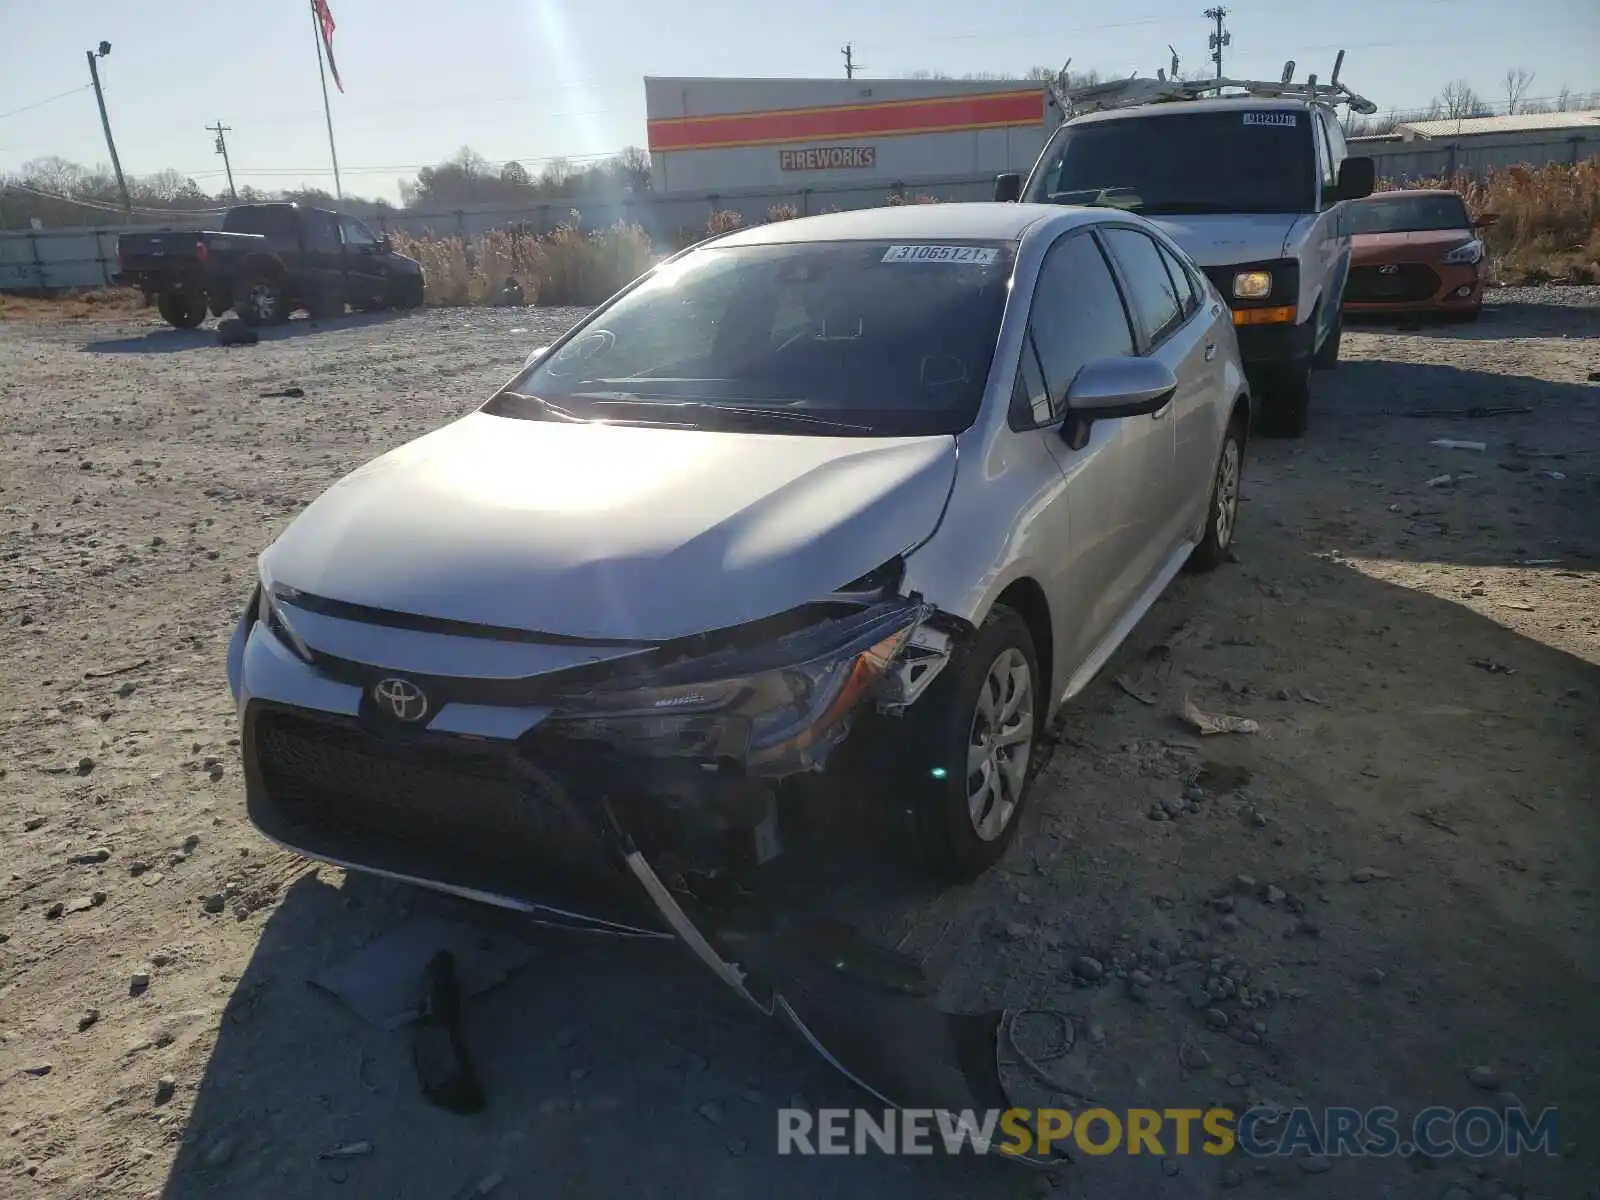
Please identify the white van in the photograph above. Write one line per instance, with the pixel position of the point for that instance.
(1250, 185)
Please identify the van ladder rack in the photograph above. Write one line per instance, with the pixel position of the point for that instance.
(1135, 91)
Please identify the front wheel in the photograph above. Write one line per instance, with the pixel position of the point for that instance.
(181, 309)
(1222, 514)
(1286, 401)
(964, 766)
(408, 292)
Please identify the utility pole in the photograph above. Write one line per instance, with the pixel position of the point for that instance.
(849, 53)
(1220, 38)
(222, 148)
(105, 122)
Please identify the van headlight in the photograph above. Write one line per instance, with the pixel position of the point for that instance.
(1471, 253)
(1252, 285)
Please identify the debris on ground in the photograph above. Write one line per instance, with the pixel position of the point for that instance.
(1454, 444)
(1209, 724)
(1489, 665)
(348, 1150)
(288, 393)
(234, 332)
(1123, 682)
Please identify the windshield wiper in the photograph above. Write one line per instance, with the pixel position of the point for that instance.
(632, 399)
(545, 408)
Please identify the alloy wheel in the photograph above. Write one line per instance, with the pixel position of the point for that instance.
(1000, 744)
(1227, 493)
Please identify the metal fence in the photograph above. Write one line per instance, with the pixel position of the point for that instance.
(52, 260)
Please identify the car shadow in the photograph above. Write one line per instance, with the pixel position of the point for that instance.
(626, 1069)
(166, 340)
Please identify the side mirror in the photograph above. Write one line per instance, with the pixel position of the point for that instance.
(535, 356)
(1357, 178)
(1007, 188)
(1485, 220)
(1108, 388)
(384, 243)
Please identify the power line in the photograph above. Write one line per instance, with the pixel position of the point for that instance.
(82, 87)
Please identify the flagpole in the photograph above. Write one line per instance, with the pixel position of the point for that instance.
(327, 111)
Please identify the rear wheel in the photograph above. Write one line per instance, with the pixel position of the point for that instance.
(262, 300)
(1286, 401)
(182, 309)
(963, 773)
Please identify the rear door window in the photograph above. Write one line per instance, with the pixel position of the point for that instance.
(1182, 280)
(1152, 295)
(275, 222)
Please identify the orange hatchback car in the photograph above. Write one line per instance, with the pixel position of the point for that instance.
(1415, 252)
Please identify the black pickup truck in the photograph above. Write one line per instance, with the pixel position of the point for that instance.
(265, 262)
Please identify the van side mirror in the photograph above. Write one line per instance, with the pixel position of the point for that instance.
(1109, 388)
(1357, 178)
(1007, 188)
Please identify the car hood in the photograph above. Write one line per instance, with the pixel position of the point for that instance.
(612, 532)
(1388, 247)
(1223, 239)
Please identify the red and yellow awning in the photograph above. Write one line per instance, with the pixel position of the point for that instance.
(889, 118)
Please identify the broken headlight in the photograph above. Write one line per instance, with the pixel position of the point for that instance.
(785, 704)
(270, 597)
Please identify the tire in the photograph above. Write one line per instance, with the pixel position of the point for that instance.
(180, 309)
(1327, 355)
(1466, 316)
(1286, 402)
(326, 302)
(262, 300)
(1222, 511)
(949, 842)
(409, 292)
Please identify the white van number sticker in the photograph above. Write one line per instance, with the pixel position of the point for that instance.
(1272, 118)
(977, 256)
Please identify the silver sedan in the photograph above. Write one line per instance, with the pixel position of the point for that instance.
(897, 480)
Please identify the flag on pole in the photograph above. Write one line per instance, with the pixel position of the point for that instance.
(325, 23)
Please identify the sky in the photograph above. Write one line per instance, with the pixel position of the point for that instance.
(533, 80)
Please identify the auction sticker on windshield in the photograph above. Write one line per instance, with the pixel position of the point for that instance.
(977, 256)
(1271, 118)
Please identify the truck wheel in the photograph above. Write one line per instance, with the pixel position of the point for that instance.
(262, 301)
(1286, 401)
(180, 309)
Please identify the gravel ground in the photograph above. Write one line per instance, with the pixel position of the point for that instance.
(1390, 885)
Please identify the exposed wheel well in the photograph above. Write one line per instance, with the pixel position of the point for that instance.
(1026, 598)
(1241, 414)
(265, 265)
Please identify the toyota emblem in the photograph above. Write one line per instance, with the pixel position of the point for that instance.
(400, 699)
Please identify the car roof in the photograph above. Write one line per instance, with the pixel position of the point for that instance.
(981, 221)
(1174, 108)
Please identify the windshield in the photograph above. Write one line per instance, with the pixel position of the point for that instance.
(1247, 161)
(1408, 214)
(859, 338)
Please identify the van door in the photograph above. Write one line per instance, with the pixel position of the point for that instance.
(1330, 237)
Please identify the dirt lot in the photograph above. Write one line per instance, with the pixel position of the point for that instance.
(1423, 658)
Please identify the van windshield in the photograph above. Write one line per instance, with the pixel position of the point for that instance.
(1248, 160)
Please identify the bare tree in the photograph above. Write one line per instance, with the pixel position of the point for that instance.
(1564, 98)
(1459, 100)
(514, 172)
(1516, 81)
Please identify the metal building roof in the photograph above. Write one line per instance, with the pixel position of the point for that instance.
(1520, 123)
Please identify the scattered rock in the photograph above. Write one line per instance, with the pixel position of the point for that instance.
(215, 902)
(1140, 979)
(1097, 1033)
(1316, 1164)
(1306, 927)
(219, 1152)
(54, 911)
(127, 689)
(85, 765)
(1373, 976)
(88, 1018)
(711, 1110)
(38, 1069)
(1483, 1077)
(1193, 1057)
(1223, 904)
(1272, 894)
(32, 823)
(138, 867)
(1015, 931)
(1244, 884)
(1368, 874)
(1237, 1080)
(1230, 923)
(1170, 1167)
(89, 857)
(1091, 970)
(139, 982)
(84, 903)
(1217, 1018)
(1258, 818)
(1157, 813)
(165, 1087)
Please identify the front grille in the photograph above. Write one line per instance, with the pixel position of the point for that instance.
(1408, 282)
(445, 796)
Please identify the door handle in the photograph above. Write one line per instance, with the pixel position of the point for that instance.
(1211, 351)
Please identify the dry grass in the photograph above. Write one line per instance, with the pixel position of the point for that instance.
(76, 305)
(569, 266)
(782, 212)
(1549, 220)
